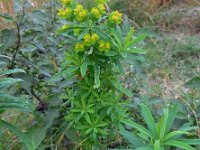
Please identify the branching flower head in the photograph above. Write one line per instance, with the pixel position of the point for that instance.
(94, 38)
(80, 12)
(115, 17)
(104, 46)
(79, 47)
(95, 12)
(101, 8)
(65, 13)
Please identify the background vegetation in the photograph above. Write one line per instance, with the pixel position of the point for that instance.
(169, 74)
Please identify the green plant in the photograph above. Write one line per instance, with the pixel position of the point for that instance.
(99, 45)
(159, 136)
(11, 102)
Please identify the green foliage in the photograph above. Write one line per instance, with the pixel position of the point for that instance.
(10, 102)
(76, 58)
(94, 60)
(159, 136)
(28, 144)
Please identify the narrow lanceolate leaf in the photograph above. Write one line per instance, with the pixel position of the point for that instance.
(83, 68)
(157, 145)
(136, 41)
(161, 129)
(173, 135)
(171, 117)
(120, 88)
(63, 72)
(140, 128)
(24, 138)
(145, 148)
(96, 76)
(179, 144)
(136, 51)
(148, 117)
(190, 141)
(129, 35)
(7, 82)
(12, 71)
(133, 139)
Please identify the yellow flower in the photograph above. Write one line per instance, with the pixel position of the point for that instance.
(95, 12)
(61, 12)
(87, 39)
(65, 13)
(81, 15)
(66, 2)
(79, 47)
(80, 12)
(78, 8)
(107, 45)
(94, 37)
(101, 8)
(104, 46)
(115, 17)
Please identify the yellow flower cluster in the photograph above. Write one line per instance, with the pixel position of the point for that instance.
(80, 12)
(115, 17)
(79, 47)
(95, 12)
(104, 46)
(90, 39)
(65, 13)
(98, 11)
(66, 2)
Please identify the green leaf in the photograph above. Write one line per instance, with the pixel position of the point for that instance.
(7, 72)
(148, 117)
(179, 144)
(7, 82)
(120, 88)
(102, 131)
(190, 141)
(96, 76)
(157, 145)
(136, 41)
(193, 83)
(171, 117)
(25, 139)
(172, 135)
(145, 148)
(39, 17)
(6, 16)
(63, 72)
(84, 67)
(138, 127)
(129, 35)
(133, 139)
(135, 51)
(11, 102)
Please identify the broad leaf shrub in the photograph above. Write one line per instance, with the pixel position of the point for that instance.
(94, 59)
(159, 136)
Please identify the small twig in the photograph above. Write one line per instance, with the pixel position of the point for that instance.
(19, 39)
